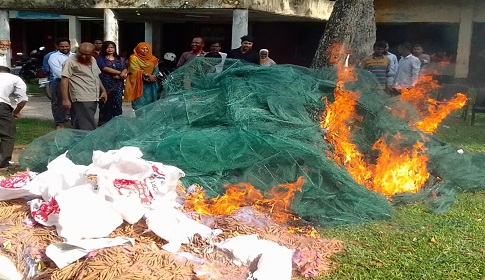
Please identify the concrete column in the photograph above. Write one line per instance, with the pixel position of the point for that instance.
(157, 39)
(111, 28)
(149, 33)
(74, 32)
(5, 32)
(240, 21)
(464, 43)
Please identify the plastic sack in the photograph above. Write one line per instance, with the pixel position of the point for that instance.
(85, 215)
(15, 186)
(61, 174)
(8, 270)
(176, 228)
(44, 212)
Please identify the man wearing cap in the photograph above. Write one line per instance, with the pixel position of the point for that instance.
(245, 51)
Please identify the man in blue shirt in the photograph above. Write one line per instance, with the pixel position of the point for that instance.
(56, 61)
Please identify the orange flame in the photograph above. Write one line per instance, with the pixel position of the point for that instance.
(433, 112)
(396, 170)
(438, 112)
(244, 194)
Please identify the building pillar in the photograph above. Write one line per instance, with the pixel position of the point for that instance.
(5, 33)
(111, 28)
(240, 19)
(464, 43)
(157, 39)
(74, 32)
(149, 33)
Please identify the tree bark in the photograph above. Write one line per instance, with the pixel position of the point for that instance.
(351, 29)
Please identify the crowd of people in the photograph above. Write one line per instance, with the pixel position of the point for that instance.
(392, 74)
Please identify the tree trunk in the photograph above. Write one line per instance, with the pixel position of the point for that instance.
(351, 29)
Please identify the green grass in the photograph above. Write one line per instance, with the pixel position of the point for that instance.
(416, 244)
(33, 88)
(28, 129)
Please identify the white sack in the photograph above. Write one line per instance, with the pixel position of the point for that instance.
(83, 214)
(176, 228)
(8, 271)
(65, 253)
(275, 262)
(61, 174)
(44, 212)
(16, 186)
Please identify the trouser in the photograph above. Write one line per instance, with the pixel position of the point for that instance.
(59, 113)
(82, 115)
(7, 133)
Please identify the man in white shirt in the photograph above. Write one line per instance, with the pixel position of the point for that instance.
(56, 61)
(4, 49)
(408, 68)
(9, 85)
(215, 47)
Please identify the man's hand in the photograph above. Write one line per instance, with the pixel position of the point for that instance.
(66, 103)
(16, 115)
(103, 97)
(152, 78)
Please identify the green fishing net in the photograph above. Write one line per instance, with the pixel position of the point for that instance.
(261, 125)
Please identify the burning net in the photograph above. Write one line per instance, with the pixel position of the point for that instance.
(354, 147)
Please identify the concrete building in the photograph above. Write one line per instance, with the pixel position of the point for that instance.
(290, 29)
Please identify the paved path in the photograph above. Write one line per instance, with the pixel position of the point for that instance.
(39, 106)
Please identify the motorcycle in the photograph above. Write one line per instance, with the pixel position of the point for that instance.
(165, 67)
(29, 67)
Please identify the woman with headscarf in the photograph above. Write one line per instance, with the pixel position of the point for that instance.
(113, 74)
(141, 87)
(264, 59)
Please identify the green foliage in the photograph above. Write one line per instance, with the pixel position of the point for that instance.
(28, 129)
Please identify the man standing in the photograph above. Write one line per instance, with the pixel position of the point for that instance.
(393, 68)
(215, 48)
(81, 87)
(197, 46)
(407, 69)
(419, 53)
(4, 48)
(245, 51)
(56, 60)
(378, 64)
(98, 43)
(9, 85)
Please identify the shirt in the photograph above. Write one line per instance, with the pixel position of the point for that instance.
(45, 65)
(379, 66)
(188, 56)
(407, 72)
(56, 60)
(3, 60)
(12, 85)
(84, 82)
(394, 63)
(249, 56)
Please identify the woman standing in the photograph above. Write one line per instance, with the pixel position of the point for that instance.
(141, 87)
(113, 72)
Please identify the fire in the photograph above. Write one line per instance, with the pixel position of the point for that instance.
(432, 111)
(397, 171)
(438, 112)
(244, 194)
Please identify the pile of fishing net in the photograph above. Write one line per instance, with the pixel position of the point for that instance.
(262, 125)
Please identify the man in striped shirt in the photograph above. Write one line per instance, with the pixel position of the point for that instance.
(378, 64)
